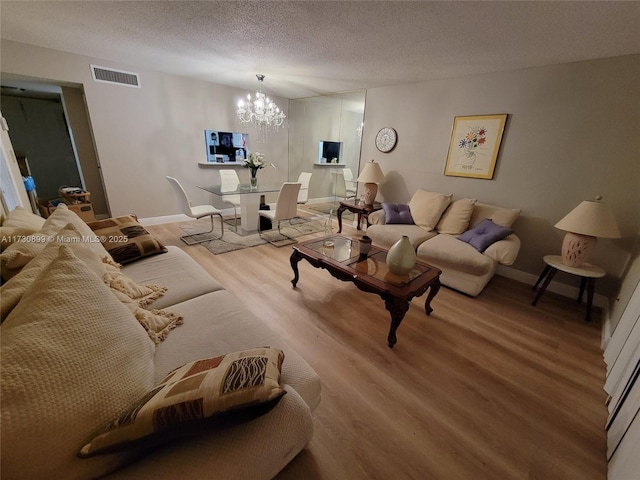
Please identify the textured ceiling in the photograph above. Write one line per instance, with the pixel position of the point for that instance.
(310, 48)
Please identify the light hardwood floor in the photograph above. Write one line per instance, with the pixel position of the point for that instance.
(484, 388)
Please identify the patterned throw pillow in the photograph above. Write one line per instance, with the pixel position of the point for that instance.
(125, 239)
(211, 392)
(484, 234)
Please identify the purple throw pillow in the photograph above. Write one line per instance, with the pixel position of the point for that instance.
(484, 234)
(397, 213)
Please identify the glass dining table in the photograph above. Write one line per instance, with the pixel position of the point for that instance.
(249, 202)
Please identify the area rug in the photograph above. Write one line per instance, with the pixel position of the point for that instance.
(232, 241)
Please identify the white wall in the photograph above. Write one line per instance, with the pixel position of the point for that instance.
(144, 134)
(572, 134)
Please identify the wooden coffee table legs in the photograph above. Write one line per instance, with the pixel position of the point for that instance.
(398, 307)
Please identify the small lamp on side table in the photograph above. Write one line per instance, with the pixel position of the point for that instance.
(371, 176)
(583, 225)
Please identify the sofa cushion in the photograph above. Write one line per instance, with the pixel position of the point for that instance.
(73, 357)
(455, 218)
(177, 271)
(222, 391)
(386, 235)
(255, 450)
(427, 207)
(20, 253)
(484, 234)
(125, 239)
(499, 215)
(217, 323)
(397, 213)
(13, 290)
(446, 251)
(19, 223)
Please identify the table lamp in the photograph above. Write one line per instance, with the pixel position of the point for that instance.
(583, 225)
(371, 176)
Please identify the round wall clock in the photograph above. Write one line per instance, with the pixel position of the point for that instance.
(386, 139)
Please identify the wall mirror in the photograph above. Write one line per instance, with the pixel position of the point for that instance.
(318, 128)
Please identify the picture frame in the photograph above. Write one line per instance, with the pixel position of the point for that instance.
(474, 146)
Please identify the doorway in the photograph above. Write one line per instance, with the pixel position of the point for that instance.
(49, 128)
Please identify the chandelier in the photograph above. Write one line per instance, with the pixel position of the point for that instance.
(261, 111)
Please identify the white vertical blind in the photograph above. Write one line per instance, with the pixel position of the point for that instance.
(623, 386)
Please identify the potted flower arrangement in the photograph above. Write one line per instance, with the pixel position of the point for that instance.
(255, 162)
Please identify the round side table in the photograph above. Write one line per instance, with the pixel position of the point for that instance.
(588, 273)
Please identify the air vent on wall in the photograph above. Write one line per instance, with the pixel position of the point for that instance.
(118, 77)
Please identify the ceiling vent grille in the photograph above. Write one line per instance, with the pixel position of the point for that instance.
(118, 77)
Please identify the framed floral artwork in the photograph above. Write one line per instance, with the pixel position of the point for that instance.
(474, 147)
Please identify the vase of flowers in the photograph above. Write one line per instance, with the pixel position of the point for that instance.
(255, 162)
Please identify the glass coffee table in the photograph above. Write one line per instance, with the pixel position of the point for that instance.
(341, 257)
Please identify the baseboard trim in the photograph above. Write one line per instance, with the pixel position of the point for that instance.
(180, 217)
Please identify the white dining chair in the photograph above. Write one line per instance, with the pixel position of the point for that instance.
(350, 184)
(198, 211)
(229, 182)
(286, 205)
(304, 179)
(340, 188)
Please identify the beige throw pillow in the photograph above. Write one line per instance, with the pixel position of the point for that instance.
(455, 218)
(73, 358)
(198, 395)
(13, 290)
(19, 223)
(20, 253)
(498, 215)
(427, 207)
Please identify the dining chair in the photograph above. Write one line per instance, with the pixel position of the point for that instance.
(350, 184)
(303, 179)
(196, 212)
(286, 205)
(340, 188)
(229, 182)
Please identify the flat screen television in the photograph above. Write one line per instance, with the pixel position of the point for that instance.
(329, 152)
(226, 147)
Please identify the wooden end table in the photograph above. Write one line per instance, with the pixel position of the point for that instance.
(358, 208)
(341, 258)
(588, 272)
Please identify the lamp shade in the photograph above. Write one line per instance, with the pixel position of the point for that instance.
(372, 173)
(595, 219)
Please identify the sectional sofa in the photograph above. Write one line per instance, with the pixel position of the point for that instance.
(147, 370)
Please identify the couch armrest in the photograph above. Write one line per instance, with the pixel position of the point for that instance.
(376, 218)
(504, 251)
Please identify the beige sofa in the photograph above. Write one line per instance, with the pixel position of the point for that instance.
(438, 220)
(77, 354)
